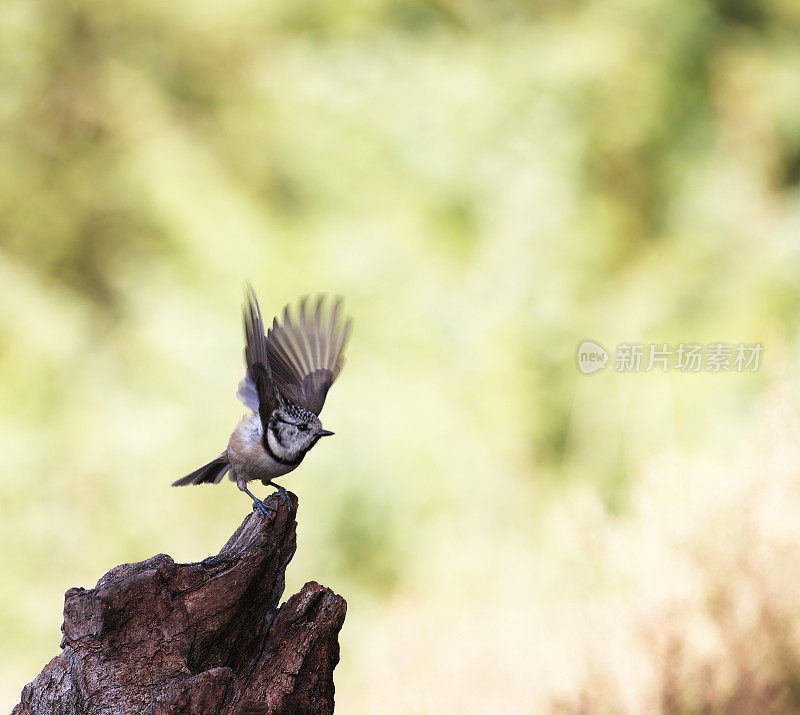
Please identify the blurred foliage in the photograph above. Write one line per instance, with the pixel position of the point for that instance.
(488, 184)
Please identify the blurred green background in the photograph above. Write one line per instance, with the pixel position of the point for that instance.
(488, 184)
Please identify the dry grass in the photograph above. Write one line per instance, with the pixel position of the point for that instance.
(688, 603)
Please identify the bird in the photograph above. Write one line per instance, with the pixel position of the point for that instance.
(289, 371)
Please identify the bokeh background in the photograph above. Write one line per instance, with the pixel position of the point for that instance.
(488, 184)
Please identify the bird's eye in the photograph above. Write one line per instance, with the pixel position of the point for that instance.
(302, 428)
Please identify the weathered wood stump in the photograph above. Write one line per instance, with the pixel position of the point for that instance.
(160, 637)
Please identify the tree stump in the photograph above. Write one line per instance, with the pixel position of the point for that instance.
(159, 637)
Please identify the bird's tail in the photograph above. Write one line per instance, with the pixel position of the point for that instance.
(210, 473)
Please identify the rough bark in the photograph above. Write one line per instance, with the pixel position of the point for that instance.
(159, 637)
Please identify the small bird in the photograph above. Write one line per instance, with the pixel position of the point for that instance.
(289, 373)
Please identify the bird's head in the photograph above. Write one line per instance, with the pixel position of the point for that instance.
(296, 429)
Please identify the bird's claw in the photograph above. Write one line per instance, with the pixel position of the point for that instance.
(284, 495)
(263, 508)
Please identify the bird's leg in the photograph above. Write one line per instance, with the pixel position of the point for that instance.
(282, 491)
(258, 505)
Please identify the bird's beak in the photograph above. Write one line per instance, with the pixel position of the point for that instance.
(325, 433)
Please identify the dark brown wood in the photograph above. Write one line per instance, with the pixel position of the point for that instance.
(159, 637)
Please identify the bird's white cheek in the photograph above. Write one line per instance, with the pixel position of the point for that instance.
(274, 445)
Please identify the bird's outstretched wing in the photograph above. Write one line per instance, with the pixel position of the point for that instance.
(257, 390)
(305, 352)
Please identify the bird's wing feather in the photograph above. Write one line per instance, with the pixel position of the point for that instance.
(306, 352)
(258, 364)
(247, 393)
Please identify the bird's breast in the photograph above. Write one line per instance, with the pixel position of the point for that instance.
(247, 455)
